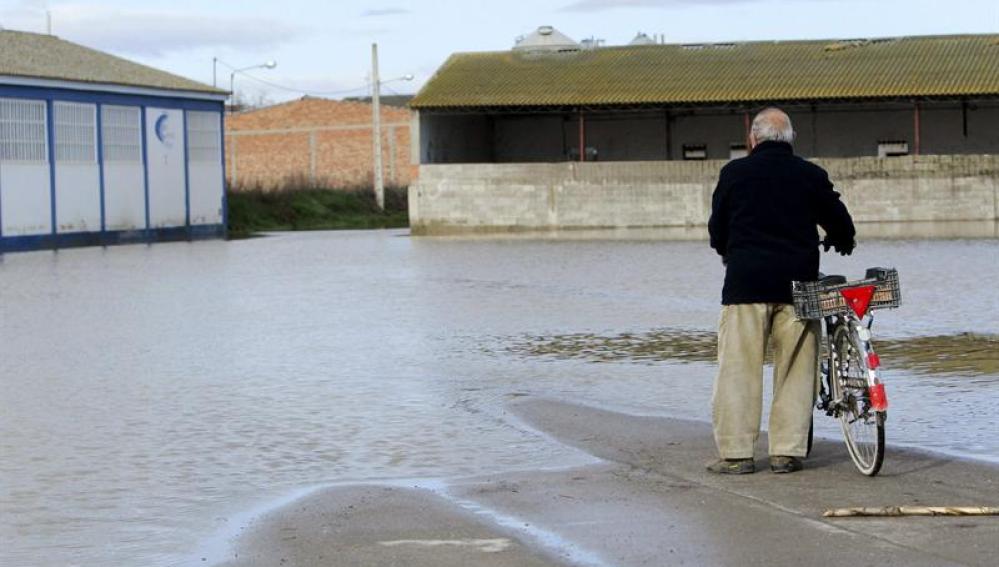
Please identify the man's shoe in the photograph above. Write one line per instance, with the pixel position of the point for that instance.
(781, 464)
(733, 466)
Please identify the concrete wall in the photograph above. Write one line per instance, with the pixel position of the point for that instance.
(828, 130)
(506, 197)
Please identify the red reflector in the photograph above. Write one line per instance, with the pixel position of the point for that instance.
(879, 400)
(858, 298)
(873, 360)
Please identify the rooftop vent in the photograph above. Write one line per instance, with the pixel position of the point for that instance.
(642, 39)
(545, 38)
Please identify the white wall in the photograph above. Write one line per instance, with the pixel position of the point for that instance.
(165, 159)
(78, 197)
(205, 180)
(206, 193)
(124, 196)
(25, 201)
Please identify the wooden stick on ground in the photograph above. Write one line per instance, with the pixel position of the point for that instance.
(912, 511)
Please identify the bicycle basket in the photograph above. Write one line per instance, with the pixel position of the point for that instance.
(815, 300)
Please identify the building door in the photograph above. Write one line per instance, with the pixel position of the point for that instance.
(165, 165)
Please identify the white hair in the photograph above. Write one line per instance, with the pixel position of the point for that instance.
(773, 125)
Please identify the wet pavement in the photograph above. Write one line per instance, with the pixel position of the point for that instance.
(648, 501)
(152, 395)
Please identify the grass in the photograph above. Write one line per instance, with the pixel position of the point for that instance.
(302, 207)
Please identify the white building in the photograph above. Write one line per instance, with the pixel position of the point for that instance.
(95, 149)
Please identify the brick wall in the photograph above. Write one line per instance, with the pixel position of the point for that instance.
(321, 141)
(450, 198)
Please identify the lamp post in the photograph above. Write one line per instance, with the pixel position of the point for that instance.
(232, 77)
(376, 124)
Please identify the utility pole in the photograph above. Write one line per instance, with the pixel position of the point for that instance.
(376, 128)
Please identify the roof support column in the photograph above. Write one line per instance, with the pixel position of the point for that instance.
(582, 136)
(964, 118)
(815, 130)
(916, 133)
(669, 141)
(747, 125)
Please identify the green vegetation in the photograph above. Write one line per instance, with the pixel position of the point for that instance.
(254, 210)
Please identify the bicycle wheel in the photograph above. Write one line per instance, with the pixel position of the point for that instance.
(863, 428)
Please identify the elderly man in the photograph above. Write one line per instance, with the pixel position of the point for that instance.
(763, 224)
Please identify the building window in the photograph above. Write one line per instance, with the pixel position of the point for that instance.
(75, 132)
(695, 152)
(892, 149)
(121, 134)
(204, 137)
(736, 151)
(23, 136)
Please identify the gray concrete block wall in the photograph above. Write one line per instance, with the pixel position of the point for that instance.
(451, 198)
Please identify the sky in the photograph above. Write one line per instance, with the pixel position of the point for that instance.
(323, 48)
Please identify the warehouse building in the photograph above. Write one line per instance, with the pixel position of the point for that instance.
(95, 149)
(315, 142)
(678, 112)
(910, 95)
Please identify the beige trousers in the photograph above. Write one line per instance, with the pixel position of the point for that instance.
(737, 402)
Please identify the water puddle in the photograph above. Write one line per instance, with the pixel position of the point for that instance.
(966, 354)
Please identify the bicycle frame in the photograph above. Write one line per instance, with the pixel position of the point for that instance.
(861, 329)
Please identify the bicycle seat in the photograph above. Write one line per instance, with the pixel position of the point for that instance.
(831, 279)
(876, 273)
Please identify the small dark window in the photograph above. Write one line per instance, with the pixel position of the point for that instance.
(695, 152)
(736, 151)
(892, 148)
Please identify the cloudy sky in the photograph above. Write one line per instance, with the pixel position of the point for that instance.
(323, 47)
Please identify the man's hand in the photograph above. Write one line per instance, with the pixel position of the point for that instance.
(844, 248)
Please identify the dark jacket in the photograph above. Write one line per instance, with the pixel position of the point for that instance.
(764, 214)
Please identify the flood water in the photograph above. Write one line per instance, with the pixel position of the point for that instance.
(152, 394)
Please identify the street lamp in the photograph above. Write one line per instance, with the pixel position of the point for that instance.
(376, 124)
(232, 77)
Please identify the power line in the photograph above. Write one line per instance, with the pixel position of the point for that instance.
(304, 92)
(286, 88)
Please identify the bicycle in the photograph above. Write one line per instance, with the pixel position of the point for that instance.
(850, 388)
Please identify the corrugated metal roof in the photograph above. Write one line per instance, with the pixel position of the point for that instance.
(931, 66)
(33, 55)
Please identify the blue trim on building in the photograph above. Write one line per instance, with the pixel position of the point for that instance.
(50, 151)
(1, 196)
(187, 172)
(145, 166)
(109, 238)
(225, 185)
(69, 95)
(100, 163)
